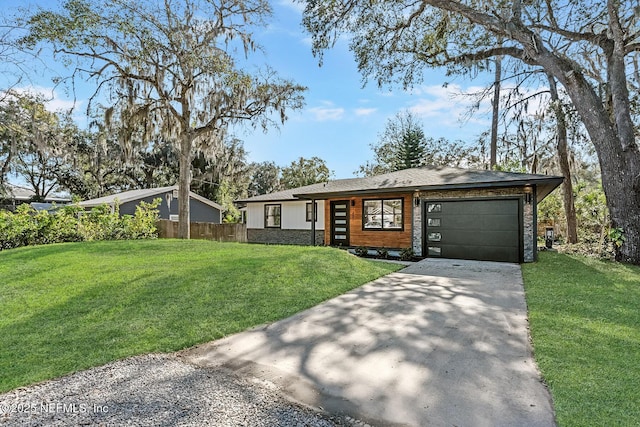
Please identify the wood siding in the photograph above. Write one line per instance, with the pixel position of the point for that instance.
(372, 238)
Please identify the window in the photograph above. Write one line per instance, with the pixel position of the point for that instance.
(272, 216)
(433, 222)
(434, 237)
(383, 214)
(434, 207)
(435, 250)
(315, 216)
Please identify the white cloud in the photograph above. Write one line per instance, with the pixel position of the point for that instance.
(447, 106)
(361, 112)
(57, 103)
(52, 98)
(450, 106)
(327, 112)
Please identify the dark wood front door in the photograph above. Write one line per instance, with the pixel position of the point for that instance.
(340, 223)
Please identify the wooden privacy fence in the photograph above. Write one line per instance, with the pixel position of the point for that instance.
(205, 230)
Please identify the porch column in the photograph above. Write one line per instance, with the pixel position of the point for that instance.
(313, 222)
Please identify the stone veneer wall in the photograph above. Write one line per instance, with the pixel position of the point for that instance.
(529, 229)
(283, 236)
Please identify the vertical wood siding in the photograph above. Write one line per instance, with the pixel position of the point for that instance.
(372, 238)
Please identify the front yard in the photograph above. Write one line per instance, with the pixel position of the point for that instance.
(68, 307)
(585, 324)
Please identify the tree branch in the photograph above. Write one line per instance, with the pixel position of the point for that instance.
(572, 35)
(489, 53)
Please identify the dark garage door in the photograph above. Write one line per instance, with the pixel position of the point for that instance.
(473, 229)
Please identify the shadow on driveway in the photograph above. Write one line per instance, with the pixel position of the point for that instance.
(442, 342)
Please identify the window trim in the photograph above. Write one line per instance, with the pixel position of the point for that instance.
(266, 215)
(382, 228)
(306, 212)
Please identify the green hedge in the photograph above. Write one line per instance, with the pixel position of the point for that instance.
(71, 223)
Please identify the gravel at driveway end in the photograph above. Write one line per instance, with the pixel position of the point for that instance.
(156, 390)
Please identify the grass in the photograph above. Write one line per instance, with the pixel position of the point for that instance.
(68, 307)
(585, 325)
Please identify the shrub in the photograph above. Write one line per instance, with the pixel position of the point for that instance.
(143, 223)
(407, 254)
(18, 228)
(382, 253)
(589, 249)
(361, 251)
(71, 223)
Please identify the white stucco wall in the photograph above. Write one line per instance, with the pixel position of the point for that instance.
(293, 215)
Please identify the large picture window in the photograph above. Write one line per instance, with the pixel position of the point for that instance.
(272, 216)
(382, 214)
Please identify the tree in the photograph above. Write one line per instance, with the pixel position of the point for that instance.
(563, 160)
(169, 69)
(35, 141)
(222, 174)
(408, 137)
(10, 133)
(98, 164)
(403, 145)
(495, 104)
(589, 48)
(305, 172)
(265, 179)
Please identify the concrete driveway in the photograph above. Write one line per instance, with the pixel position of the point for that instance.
(440, 343)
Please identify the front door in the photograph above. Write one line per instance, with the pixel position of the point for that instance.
(340, 223)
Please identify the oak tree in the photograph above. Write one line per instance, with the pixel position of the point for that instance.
(170, 68)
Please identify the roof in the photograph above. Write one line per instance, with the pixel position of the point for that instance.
(17, 192)
(133, 195)
(416, 179)
(284, 195)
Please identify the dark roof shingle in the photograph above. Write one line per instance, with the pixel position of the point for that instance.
(425, 178)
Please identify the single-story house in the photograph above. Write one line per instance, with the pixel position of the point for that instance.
(16, 195)
(437, 211)
(201, 208)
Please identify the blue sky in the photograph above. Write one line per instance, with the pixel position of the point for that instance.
(341, 118)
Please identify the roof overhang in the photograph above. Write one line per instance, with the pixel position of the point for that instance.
(544, 187)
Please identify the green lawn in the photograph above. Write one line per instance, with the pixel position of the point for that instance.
(68, 307)
(585, 324)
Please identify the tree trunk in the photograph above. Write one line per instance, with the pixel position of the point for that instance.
(609, 130)
(496, 111)
(567, 184)
(619, 164)
(184, 186)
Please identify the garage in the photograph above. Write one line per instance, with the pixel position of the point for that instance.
(487, 230)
